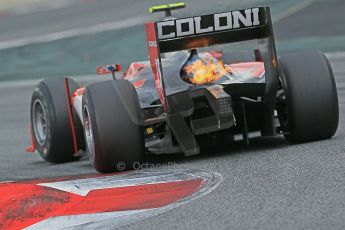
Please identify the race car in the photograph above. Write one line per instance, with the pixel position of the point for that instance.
(199, 81)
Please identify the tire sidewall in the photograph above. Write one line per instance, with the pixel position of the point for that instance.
(111, 145)
(59, 146)
(41, 93)
(311, 97)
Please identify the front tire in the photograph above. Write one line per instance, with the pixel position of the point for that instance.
(50, 122)
(310, 108)
(112, 116)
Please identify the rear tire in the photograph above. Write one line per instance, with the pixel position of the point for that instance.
(111, 116)
(50, 122)
(311, 110)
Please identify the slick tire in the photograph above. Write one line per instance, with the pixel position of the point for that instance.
(113, 134)
(50, 121)
(311, 110)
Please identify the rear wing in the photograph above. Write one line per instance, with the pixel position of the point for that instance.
(207, 30)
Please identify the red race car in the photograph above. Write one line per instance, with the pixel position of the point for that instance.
(208, 75)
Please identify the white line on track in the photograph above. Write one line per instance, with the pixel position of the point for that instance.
(7, 181)
(75, 32)
(115, 26)
(292, 10)
(32, 82)
(83, 186)
(36, 6)
(336, 55)
(118, 219)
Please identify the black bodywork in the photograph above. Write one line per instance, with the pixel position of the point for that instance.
(240, 107)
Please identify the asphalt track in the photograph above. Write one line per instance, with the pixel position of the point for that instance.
(267, 185)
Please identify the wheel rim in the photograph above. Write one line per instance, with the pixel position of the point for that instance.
(39, 122)
(88, 131)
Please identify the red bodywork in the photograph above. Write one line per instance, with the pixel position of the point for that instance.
(70, 111)
(155, 61)
(32, 147)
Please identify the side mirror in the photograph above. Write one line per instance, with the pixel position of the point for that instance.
(108, 69)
